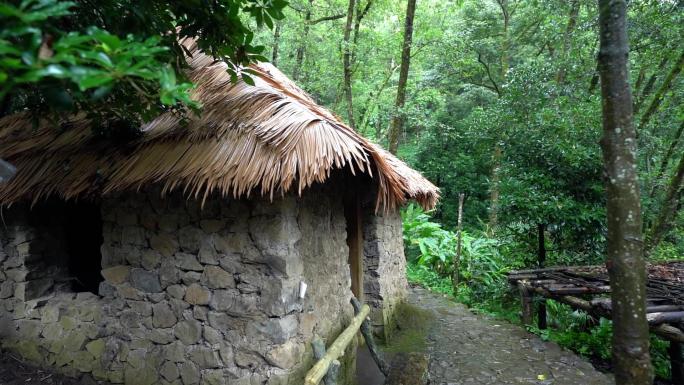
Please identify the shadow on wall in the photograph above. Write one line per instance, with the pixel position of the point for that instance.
(75, 234)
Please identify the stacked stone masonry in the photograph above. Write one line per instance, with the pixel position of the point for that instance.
(385, 284)
(191, 294)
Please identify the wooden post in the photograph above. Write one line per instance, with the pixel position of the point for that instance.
(676, 362)
(541, 259)
(526, 304)
(367, 332)
(354, 219)
(319, 352)
(459, 239)
(336, 350)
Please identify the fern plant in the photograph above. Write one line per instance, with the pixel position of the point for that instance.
(430, 246)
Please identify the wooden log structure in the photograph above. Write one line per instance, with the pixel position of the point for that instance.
(336, 350)
(665, 303)
(658, 321)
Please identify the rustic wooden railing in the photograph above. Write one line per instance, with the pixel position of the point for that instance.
(327, 365)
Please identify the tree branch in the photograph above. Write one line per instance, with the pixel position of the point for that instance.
(327, 18)
(300, 10)
(487, 86)
(489, 73)
(363, 13)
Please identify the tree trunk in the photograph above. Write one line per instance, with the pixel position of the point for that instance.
(360, 14)
(666, 160)
(495, 181)
(658, 97)
(498, 152)
(299, 57)
(459, 241)
(506, 40)
(637, 86)
(625, 262)
(668, 210)
(346, 61)
(276, 43)
(397, 123)
(373, 103)
(567, 40)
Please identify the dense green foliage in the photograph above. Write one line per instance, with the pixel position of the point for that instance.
(92, 56)
(503, 104)
(431, 248)
(525, 84)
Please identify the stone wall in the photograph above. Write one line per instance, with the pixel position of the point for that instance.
(385, 284)
(33, 255)
(191, 294)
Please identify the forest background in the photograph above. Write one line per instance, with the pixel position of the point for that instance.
(503, 104)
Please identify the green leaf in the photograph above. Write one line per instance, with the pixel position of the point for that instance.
(28, 58)
(101, 92)
(268, 21)
(93, 80)
(112, 41)
(54, 70)
(247, 79)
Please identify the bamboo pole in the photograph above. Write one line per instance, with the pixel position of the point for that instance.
(336, 350)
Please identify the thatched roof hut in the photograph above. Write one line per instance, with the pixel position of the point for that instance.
(268, 138)
(206, 252)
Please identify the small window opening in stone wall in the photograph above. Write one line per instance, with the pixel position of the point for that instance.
(68, 236)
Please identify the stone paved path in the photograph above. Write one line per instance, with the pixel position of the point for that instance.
(465, 349)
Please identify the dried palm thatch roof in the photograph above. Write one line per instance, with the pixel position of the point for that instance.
(268, 138)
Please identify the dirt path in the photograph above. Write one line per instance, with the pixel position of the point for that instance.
(465, 348)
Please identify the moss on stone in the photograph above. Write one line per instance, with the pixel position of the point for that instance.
(413, 324)
(29, 350)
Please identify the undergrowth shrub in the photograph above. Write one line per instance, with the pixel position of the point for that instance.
(430, 250)
(579, 332)
(484, 288)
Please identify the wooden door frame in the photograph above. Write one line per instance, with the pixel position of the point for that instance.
(354, 220)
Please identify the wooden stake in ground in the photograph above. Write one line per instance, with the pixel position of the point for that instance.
(459, 241)
(541, 260)
(625, 263)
